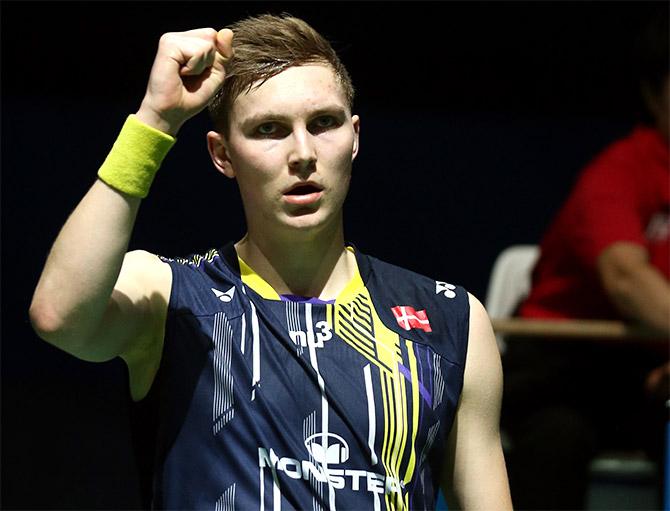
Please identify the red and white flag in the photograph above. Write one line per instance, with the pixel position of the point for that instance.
(408, 318)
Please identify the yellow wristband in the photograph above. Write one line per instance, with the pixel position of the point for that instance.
(135, 158)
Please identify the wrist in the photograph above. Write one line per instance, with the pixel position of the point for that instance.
(160, 122)
(135, 158)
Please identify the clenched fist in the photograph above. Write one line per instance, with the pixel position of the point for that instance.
(187, 71)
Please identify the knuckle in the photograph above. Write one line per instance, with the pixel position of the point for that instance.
(166, 38)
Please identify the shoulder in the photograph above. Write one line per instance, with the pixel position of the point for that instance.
(428, 310)
(483, 370)
(633, 142)
(480, 328)
(142, 259)
(146, 272)
(193, 261)
(395, 280)
(626, 156)
(202, 283)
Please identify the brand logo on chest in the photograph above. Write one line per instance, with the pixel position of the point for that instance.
(316, 338)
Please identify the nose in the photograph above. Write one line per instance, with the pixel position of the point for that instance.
(302, 156)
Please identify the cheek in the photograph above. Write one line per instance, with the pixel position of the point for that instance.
(255, 164)
(342, 175)
(340, 149)
(341, 163)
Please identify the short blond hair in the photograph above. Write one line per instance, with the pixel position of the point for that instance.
(264, 46)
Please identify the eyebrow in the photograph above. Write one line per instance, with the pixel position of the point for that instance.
(269, 115)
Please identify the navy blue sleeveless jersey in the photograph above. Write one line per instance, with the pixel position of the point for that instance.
(278, 405)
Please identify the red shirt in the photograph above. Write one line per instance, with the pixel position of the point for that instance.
(622, 195)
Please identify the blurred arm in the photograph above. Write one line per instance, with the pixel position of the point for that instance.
(635, 287)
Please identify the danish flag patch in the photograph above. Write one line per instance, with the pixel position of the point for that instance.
(408, 318)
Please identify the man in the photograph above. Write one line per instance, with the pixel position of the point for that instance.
(291, 370)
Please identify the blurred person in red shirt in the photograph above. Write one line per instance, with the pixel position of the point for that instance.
(605, 256)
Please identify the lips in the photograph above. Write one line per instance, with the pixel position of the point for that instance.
(303, 189)
(303, 193)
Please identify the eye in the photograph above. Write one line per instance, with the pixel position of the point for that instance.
(269, 128)
(324, 123)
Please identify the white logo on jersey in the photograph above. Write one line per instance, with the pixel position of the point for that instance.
(225, 297)
(324, 333)
(334, 453)
(447, 289)
(357, 480)
(658, 228)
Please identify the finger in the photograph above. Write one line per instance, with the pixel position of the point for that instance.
(224, 42)
(198, 62)
(202, 33)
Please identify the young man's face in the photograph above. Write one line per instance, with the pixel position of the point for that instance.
(290, 147)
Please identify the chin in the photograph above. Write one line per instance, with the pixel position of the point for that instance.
(304, 223)
(309, 221)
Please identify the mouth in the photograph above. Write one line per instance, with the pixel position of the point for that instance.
(303, 193)
(303, 188)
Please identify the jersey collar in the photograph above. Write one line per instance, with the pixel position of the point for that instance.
(254, 281)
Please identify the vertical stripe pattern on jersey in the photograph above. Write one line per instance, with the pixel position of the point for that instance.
(324, 400)
(223, 405)
(226, 501)
(256, 351)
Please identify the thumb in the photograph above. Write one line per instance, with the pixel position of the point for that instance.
(224, 43)
(224, 52)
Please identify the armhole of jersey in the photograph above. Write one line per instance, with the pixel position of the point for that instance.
(172, 300)
(465, 328)
(160, 338)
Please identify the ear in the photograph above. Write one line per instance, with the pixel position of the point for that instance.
(216, 145)
(356, 122)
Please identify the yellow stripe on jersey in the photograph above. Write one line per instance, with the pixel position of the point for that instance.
(359, 325)
(256, 282)
(415, 409)
(352, 289)
(402, 419)
(388, 431)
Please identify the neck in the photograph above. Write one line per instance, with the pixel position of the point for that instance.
(301, 263)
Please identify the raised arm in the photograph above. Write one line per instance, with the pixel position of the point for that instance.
(475, 477)
(93, 300)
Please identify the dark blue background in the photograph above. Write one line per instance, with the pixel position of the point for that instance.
(476, 118)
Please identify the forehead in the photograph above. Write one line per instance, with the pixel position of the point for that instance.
(294, 91)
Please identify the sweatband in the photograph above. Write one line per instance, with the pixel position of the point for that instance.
(135, 158)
